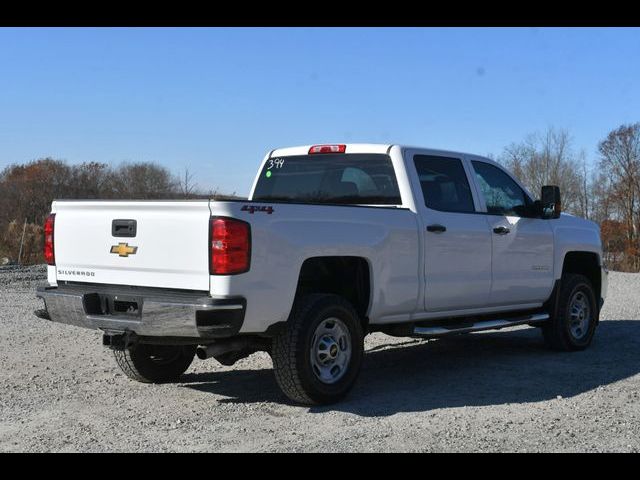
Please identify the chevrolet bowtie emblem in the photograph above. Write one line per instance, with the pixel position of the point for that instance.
(124, 250)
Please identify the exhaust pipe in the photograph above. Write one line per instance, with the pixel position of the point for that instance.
(207, 351)
(225, 346)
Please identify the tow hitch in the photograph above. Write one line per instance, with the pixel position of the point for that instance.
(120, 340)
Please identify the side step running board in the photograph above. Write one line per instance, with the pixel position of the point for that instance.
(440, 331)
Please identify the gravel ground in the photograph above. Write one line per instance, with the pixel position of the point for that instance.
(495, 391)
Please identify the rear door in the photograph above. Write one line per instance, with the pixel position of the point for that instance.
(457, 259)
(140, 243)
(522, 245)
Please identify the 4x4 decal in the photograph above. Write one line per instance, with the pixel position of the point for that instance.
(257, 208)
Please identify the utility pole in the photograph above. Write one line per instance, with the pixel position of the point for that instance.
(24, 227)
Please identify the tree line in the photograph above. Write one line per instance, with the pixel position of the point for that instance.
(606, 191)
(27, 190)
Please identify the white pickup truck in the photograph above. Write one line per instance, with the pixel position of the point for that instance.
(334, 242)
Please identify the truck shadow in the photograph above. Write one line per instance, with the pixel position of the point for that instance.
(469, 370)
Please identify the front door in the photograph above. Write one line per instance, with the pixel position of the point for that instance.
(522, 246)
(457, 239)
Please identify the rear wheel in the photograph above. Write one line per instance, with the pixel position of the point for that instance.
(155, 363)
(575, 318)
(317, 357)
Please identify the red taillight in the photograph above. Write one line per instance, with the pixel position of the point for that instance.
(327, 149)
(230, 246)
(49, 256)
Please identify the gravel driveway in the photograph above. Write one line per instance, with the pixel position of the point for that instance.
(60, 390)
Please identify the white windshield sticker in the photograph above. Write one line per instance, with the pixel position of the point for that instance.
(275, 163)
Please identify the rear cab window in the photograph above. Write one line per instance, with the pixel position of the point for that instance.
(341, 179)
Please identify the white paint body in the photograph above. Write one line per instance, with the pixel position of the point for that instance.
(414, 274)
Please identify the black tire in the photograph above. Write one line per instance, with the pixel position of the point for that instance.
(292, 347)
(155, 363)
(557, 332)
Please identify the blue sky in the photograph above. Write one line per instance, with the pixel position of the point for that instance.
(215, 100)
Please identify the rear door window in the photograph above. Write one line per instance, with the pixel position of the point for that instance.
(444, 183)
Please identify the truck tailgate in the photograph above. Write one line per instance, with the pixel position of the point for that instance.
(169, 249)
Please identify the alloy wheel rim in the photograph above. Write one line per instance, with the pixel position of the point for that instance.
(579, 315)
(330, 350)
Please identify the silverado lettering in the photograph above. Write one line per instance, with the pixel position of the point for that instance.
(77, 272)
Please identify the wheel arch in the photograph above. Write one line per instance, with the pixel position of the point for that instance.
(347, 276)
(584, 263)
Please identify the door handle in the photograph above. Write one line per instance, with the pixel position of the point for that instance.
(501, 230)
(436, 228)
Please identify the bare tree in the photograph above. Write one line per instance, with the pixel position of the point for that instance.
(602, 205)
(144, 180)
(547, 159)
(186, 184)
(585, 187)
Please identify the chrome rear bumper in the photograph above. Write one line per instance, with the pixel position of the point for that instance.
(145, 311)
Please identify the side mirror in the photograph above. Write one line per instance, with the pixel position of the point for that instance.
(550, 201)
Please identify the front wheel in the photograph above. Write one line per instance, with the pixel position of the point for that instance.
(575, 318)
(155, 363)
(317, 356)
